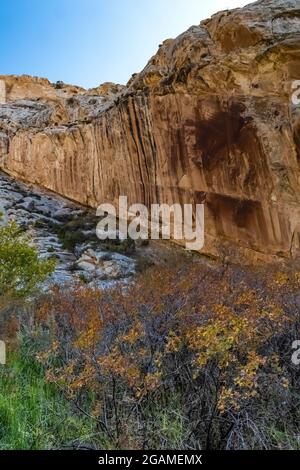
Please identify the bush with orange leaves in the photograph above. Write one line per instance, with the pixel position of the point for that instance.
(194, 357)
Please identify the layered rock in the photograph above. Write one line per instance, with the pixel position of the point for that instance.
(210, 118)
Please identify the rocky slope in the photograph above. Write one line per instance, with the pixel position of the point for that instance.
(65, 231)
(209, 118)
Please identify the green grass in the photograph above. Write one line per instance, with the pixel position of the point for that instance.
(33, 413)
(283, 440)
(167, 426)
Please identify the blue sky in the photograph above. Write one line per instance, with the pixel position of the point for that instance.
(88, 42)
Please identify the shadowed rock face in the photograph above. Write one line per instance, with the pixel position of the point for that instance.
(210, 115)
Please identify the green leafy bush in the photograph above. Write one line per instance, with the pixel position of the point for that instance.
(21, 270)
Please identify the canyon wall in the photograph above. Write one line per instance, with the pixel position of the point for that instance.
(210, 119)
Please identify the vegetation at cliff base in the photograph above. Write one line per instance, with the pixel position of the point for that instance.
(189, 356)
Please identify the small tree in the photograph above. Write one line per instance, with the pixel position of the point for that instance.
(21, 270)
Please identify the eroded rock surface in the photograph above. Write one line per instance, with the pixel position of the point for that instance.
(210, 117)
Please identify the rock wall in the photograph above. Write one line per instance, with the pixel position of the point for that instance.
(210, 118)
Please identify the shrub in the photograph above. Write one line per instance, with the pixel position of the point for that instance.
(21, 270)
(193, 357)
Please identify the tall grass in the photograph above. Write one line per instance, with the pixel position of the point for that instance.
(34, 414)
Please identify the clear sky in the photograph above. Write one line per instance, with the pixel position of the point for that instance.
(88, 42)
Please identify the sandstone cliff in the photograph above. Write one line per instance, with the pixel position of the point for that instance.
(210, 117)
